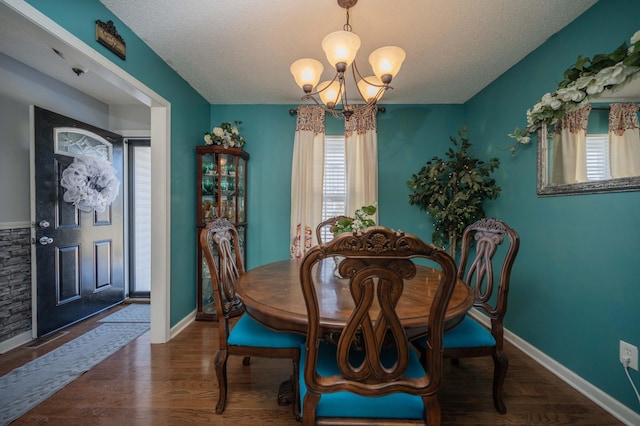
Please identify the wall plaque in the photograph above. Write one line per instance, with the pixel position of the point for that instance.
(107, 35)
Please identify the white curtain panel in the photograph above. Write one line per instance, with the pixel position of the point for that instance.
(306, 179)
(361, 140)
(624, 140)
(569, 159)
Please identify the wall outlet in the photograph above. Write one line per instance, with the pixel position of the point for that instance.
(627, 350)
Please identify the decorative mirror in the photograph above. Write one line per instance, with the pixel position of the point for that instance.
(594, 167)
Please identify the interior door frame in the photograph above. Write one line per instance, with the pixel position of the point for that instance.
(160, 134)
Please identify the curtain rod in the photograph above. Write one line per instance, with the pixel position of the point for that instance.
(295, 111)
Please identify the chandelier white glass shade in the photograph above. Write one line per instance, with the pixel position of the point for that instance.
(341, 48)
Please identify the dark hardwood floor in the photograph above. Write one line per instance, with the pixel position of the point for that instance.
(175, 384)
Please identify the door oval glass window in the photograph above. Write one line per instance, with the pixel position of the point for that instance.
(76, 142)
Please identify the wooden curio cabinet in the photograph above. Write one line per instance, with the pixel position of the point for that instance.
(222, 192)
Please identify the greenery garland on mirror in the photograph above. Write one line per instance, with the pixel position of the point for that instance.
(583, 82)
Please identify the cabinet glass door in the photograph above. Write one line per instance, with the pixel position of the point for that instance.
(241, 184)
(209, 189)
(228, 187)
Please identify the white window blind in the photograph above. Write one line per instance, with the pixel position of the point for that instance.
(142, 217)
(598, 167)
(334, 187)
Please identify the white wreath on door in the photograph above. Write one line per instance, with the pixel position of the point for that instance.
(91, 184)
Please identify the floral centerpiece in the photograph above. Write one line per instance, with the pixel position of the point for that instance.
(226, 135)
(361, 220)
(583, 82)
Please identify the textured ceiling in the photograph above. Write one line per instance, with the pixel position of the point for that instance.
(239, 51)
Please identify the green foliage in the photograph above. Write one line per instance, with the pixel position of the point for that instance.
(360, 222)
(452, 190)
(590, 67)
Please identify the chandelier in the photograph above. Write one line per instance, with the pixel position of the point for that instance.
(341, 48)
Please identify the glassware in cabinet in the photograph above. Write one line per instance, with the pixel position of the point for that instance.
(221, 192)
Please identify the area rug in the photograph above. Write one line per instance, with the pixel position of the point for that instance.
(131, 313)
(29, 385)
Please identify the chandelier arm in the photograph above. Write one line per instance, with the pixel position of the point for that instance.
(344, 100)
(310, 96)
(317, 92)
(354, 71)
(382, 87)
(341, 90)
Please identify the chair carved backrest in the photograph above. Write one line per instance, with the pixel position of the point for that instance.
(221, 247)
(376, 263)
(331, 222)
(488, 234)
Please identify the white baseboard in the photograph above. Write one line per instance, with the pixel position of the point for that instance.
(604, 400)
(179, 327)
(15, 341)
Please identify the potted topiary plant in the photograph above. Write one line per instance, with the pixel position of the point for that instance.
(452, 190)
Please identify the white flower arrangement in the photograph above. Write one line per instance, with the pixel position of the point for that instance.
(583, 82)
(91, 184)
(226, 135)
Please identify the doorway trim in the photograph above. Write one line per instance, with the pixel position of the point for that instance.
(160, 162)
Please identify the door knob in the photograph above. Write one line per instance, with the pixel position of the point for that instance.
(43, 224)
(45, 240)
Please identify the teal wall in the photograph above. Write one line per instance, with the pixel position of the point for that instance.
(189, 119)
(408, 136)
(575, 291)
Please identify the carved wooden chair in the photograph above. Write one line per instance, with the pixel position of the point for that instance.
(331, 222)
(373, 356)
(246, 338)
(470, 338)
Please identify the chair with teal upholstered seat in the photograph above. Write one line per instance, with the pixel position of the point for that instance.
(367, 372)
(247, 338)
(488, 260)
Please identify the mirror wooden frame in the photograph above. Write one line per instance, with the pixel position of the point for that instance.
(544, 189)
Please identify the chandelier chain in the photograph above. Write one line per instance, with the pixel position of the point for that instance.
(347, 26)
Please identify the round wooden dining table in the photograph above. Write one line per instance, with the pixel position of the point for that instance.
(272, 295)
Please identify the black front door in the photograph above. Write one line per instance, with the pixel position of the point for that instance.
(79, 254)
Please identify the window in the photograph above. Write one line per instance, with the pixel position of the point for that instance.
(139, 217)
(598, 157)
(334, 186)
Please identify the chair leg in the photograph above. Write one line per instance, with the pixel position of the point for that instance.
(310, 402)
(221, 374)
(432, 408)
(500, 367)
(296, 390)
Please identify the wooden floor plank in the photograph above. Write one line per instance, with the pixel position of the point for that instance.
(175, 384)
